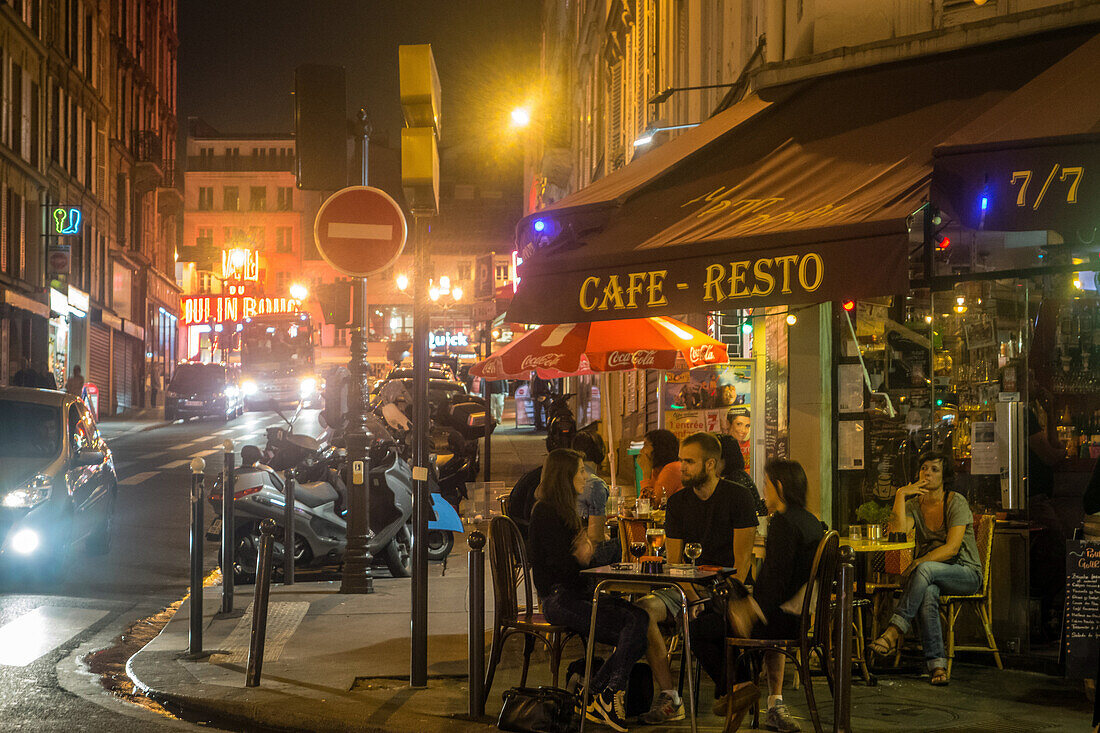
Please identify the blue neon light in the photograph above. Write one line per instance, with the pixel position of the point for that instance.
(539, 225)
(985, 203)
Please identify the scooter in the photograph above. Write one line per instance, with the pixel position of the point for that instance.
(561, 425)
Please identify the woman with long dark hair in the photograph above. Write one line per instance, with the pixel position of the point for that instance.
(947, 559)
(733, 469)
(660, 463)
(560, 547)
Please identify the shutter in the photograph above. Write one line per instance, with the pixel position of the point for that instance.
(124, 369)
(652, 384)
(99, 359)
(615, 123)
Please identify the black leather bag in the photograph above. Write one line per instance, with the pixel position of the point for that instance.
(539, 710)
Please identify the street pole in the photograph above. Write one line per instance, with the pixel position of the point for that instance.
(357, 558)
(490, 423)
(419, 673)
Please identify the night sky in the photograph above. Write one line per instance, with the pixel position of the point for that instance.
(237, 60)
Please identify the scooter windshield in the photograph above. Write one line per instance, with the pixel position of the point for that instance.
(377, 428)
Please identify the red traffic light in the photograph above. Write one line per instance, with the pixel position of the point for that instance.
(849, 305)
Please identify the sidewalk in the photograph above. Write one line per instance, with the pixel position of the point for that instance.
(341, 663)
(133, 421)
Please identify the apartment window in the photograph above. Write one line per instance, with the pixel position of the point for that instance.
(234, 237)
(206, 282)
(205, 237)
(286, 198)
(17, 109)
(502, 272)
(206, 157)
(463, 271)
(257, 236)
(206, 198)
(281, 282)
(36, 122)
(231, 199)
(283, 241)
(257, 198)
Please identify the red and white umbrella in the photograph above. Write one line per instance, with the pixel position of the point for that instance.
(569, 349)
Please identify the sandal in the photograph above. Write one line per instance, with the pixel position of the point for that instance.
(939, 677)
(883, 647)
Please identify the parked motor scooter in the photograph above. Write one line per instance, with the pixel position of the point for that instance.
(320, 531)
(561, 425)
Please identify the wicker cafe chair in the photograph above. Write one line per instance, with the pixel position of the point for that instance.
(508, 561)
(630, 530)
(814, 630)
(981, 602)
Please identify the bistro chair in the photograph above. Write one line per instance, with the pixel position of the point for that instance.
(630, 530)
(508, 562)
(981, 602)
(814, 630)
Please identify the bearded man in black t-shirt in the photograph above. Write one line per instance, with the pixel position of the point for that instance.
(718, 514)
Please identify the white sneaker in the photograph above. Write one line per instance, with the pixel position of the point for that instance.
(664, 710)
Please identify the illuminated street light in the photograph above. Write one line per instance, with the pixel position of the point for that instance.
(402, 282)
(445, 284)
(521, 117)
(238, 258)
(433, 293)
(456, 293)
(299, 291)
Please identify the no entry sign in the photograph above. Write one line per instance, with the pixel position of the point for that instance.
(360, 230)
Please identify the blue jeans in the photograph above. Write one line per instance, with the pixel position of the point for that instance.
(618, 622)
(921, 597)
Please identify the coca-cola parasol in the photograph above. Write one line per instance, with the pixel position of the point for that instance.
(570, 349)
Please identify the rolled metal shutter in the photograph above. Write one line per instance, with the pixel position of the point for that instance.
(99, 362)
(124, 372)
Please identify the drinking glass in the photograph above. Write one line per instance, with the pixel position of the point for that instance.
(693, 550)
(637, 549)
(655, 538)
(855, 532)
(643, 506)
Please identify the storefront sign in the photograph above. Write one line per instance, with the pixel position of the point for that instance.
(78, 302)
(65, 219)
(1042, 187)
(58, 260)
(837, 270)
(202, 309)
(447, 340)
(241, 264)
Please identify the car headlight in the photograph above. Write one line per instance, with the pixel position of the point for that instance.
(25, 541)
(305, 389)
(231, 391)
(248, 386)
(30, 494)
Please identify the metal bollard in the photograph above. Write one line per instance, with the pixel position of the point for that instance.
(288, 528)
(229, 485)
(259, 604)
(476, 637)
(194, 637)
(842, 688)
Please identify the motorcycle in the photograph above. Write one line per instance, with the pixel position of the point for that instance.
(320, 530)
(561, 425)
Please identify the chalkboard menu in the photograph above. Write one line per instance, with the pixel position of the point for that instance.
(1081, 631)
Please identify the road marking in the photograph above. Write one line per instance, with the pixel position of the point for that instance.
(204, 453)
(175, 464)
(283, 620)
(39, 631)
(138, 478)
(227, 431)
(347, 230)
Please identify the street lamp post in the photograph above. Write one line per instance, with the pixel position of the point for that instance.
(357, 576)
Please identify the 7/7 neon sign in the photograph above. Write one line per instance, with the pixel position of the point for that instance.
(1070, 174)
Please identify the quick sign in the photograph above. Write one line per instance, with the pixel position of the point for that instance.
(446, 339)
(65, 220)
(202, 309)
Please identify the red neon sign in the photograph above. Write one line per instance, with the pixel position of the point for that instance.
(202, 309)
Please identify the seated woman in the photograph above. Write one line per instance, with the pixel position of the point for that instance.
(559, 548)
(947, 558)
(660, 462)
(592, 503)
(773, 611)
(733, 469)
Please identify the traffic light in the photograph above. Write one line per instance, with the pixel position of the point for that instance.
(321, 127)
(335, 301)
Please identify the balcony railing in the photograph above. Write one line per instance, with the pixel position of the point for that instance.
(147, 147)
(240, 163)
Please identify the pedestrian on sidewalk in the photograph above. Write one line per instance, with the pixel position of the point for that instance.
(75, 383)
(498, 390)
(563, 550)
(541, 392)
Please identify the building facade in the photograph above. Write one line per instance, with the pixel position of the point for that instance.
(87, 222)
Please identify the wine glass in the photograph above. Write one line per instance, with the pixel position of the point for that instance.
(637, 549)
(693, 550)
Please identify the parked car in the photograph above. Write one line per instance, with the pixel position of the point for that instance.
(434, 372)
(204, 390)
(58, 484)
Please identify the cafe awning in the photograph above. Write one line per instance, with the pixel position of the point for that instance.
(1032, 161)
(799, 196)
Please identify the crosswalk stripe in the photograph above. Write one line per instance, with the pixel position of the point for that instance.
(138, 478)
(175, 464)
(204, 453)
(37, 632)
